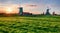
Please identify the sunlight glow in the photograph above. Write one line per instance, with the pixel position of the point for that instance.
(9, 10)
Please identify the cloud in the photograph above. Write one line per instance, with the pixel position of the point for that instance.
(31, 5)
(8, 1)
(4, 1)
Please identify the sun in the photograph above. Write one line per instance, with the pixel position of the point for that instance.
(9, 10)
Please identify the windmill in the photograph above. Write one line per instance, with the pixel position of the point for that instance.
(47, 11)
(21, 11)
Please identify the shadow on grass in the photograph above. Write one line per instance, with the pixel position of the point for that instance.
(2, 31)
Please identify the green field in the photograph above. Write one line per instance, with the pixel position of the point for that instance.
(23, 24)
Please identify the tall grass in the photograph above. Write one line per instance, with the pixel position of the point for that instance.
(23, 24)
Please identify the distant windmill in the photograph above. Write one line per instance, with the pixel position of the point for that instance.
(47, 11)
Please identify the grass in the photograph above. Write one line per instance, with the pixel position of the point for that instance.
(23, 24)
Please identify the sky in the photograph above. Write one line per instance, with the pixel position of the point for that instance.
(32, 6)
